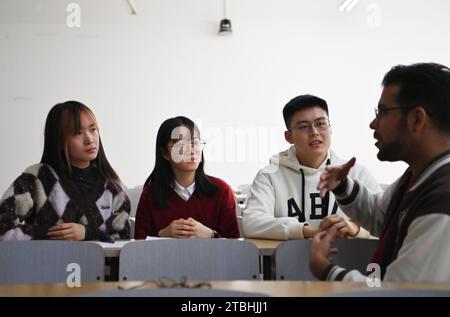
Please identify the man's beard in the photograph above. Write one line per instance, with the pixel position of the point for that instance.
(391, 152)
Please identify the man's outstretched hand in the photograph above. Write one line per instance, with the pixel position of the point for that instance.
(321, 251)
(333, 175)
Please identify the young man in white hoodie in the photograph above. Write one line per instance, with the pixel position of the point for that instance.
(284, 203)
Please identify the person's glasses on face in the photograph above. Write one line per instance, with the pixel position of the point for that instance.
(305, 127)
(381, 111)
(195, 143)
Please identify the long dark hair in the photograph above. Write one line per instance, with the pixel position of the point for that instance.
(162, 176)
(63, 120)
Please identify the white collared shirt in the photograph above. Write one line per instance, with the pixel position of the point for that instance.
(184, 192)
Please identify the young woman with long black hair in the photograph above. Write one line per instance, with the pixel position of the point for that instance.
(179, 200)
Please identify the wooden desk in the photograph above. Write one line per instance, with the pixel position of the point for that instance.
(112, 250)
(265, 247)
(271, 288)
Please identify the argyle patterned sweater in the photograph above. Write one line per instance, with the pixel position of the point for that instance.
(39, 199)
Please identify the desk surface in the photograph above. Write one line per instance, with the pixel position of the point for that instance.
(271, 288)
(265, 247)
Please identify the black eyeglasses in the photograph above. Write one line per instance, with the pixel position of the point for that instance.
(381, 111)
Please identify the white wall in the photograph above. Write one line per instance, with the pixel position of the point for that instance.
(136, 71)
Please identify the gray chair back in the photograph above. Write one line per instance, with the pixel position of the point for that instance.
(132, 221)
(239, 220)
(49, 261)
(292, 257)
(292, 261)
(194, 259)
(354, 254)
(134, 194)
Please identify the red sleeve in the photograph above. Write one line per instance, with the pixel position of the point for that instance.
(228, 225)
(144, 225)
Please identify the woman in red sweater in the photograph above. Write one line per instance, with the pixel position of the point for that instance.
(179, 200)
